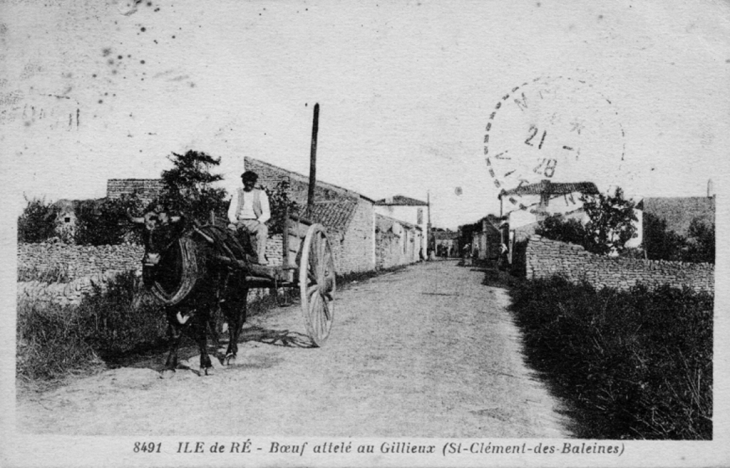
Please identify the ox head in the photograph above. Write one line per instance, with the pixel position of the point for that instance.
(161, 230)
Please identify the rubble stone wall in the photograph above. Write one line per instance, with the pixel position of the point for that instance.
(79, 261)
(546, 257)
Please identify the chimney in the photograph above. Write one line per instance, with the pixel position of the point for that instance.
(710, 189)
(545, 193)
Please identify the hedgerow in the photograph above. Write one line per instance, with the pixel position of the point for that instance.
(630, 365)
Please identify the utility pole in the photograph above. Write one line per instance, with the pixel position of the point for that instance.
(313, 162)
(429, 244)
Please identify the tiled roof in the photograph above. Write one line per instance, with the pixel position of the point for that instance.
(679, 212)
(547, 187)
(383, 223)
(335, 215)
(334, 207)
(401, 200)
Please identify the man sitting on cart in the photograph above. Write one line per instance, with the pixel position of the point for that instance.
(249, 210)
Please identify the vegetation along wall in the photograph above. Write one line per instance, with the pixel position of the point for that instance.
(545, 258)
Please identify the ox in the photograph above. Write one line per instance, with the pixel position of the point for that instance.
(181, 270)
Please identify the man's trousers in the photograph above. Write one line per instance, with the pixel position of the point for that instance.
(259, 233)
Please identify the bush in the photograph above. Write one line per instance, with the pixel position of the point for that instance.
(632, 365)
(279, 201)
(104, 221)
(701, 242)
(664, 244)
(54, 340)
(37, 223)
(557, 228)
(54, 273)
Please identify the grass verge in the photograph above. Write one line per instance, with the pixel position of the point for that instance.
(108, 330)
(630, 365)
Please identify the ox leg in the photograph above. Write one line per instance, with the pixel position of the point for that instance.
(236, 316)
(200, 336)
(174, 334)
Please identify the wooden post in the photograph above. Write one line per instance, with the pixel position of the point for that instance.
(285, 236)
(313, 162)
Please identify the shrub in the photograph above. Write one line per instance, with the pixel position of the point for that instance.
(664, 244)
(701, 242)
(104, 221)
(279, 201)
(54, 273)
(37, 223)
(557, 228)
(54, 340)
(660, 243)
(634, 364)
(115, 326)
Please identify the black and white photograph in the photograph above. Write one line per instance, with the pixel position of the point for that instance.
(365, 233)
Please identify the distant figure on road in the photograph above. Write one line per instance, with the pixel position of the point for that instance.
(249, 210)
(466, 255)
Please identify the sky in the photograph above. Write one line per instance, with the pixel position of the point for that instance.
(93, 90)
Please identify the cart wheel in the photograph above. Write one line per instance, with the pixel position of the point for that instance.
(317, 284)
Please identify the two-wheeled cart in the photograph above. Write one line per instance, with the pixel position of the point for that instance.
(307, 263)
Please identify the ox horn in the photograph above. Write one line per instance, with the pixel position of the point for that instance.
(182, 320)
(134, 220)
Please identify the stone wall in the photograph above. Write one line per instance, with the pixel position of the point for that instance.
(65, 294)
(146, 189)
(88, 268)
(389, 252)
(357, 249)
(79, 261)
(545, 257)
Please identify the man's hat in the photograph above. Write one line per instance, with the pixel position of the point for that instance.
(250, 175)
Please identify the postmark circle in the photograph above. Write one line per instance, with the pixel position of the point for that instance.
(559, 129)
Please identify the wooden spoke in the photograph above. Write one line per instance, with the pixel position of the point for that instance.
(317, 284)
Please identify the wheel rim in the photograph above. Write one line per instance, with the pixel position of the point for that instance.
(317, 284)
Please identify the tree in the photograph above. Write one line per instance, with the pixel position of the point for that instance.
(187, 187)
(700, 242)
(278, 202)
(661, 243)
(560, 229)
(610, 223)
(37, 222)
(104, 221)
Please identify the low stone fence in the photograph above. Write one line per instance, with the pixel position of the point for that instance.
(545, 257)
(65, 294)
(80, 261)
(86, 268)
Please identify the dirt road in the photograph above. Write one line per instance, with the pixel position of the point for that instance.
(424, 352)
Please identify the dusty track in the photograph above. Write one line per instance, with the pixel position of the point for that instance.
(424, 352)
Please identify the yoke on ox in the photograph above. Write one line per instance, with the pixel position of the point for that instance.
(193, 269)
